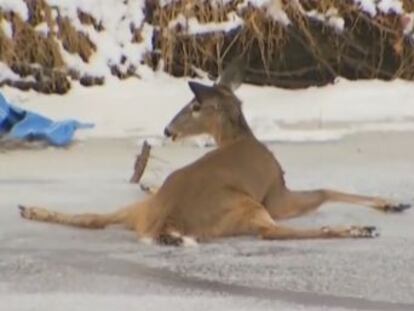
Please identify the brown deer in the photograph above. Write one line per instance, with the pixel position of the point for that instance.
(236, 189)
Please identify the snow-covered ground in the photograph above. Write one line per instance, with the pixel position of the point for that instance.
(49, 267)
(142, 108)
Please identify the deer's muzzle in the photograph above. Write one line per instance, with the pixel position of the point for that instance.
(169, 133)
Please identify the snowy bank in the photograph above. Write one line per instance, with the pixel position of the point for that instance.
(47, 44)
(142, 108)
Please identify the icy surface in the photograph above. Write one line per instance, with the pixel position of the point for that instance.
(49, 266)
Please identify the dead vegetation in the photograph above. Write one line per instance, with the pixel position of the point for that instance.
(307, 52)
(74, 41)
(36, 56)
(33, 56)
(87, 19)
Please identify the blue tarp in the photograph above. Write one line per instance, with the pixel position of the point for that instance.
(16, 123)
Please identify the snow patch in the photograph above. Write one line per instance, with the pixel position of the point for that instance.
(367, 6)
(330, 18)
(408, 23)
(334, 20)
(390, 6)
(275, 10)
(372, 7)
(6, 73)
(7, 28)
(16, 6)
(115, 44)
(147, 241)
(193, 26)
(189, 241)
(43, 28)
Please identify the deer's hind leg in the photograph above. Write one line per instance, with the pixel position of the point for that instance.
(378, 203)
(84, 220)
(288, 204)
(252, 217)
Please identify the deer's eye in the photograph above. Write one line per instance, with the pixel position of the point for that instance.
(196, 108)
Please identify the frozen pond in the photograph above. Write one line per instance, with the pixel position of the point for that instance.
(49, 267)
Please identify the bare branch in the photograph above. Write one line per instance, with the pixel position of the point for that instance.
(141, 163)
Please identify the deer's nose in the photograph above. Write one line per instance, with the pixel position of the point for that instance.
(167, 132)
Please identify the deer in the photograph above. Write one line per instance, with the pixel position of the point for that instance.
(237, 189)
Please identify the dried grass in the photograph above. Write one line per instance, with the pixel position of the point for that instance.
(87, 19)
(32, 47)
(75, 41)
(31, 53)
(308, 53)
(40, 12)
(6, 45)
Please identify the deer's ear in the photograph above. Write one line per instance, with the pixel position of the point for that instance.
(201, 92)
(232, 76)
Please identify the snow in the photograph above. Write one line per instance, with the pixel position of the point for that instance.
(114, 42)
(275, 10)
(6, 73)
(114, 46)
(385, 6)
(390, 6)
(330, 17)
(138, 108)
(17, 6)
(334, 20)
(367, 6)
(408, 23)
(314, 14)
(193, 26)
(43, 28)
(7, 28)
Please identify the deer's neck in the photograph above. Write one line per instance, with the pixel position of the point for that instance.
(232, 130)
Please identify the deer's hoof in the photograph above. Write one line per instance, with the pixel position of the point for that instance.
(170, 240)
(364, 232)
(24, 212)
(145, 188)
(396, 208)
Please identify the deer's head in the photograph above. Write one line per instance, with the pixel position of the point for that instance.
(213, 108)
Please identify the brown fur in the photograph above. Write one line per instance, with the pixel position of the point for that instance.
(236, 189)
